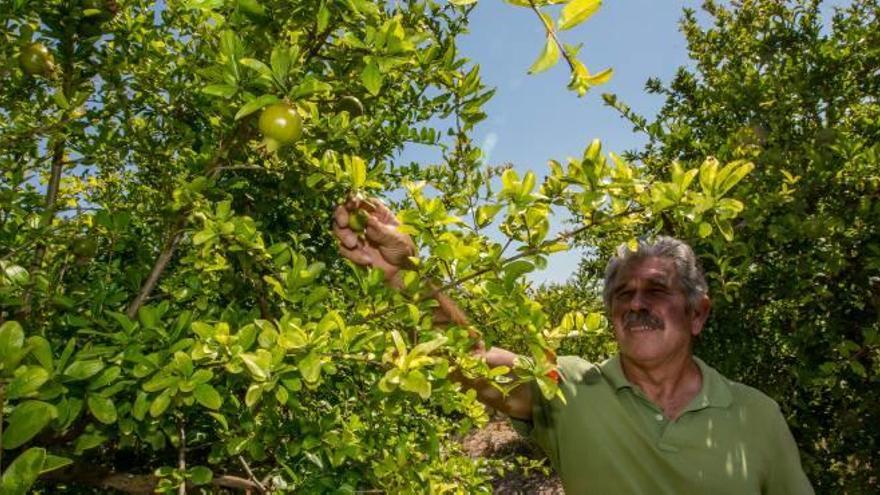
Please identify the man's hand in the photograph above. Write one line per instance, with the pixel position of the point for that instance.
(381, 246)
(384, 247)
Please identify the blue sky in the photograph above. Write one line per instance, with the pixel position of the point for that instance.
(533, 118)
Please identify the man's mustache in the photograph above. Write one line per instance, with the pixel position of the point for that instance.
(641, 318)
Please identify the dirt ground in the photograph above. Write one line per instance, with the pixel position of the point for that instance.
(498, 440)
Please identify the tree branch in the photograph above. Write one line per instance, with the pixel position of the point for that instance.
(181, 455)
(97, 477)
(250, 473)
(212, 169)
(552, 33)
(161, 262)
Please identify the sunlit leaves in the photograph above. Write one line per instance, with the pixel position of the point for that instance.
(548, 58)
(25, 421)
(372, 78)
(577, 11)
(23, 471)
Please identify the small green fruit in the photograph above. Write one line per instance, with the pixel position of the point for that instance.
(352, 105)
(280, 123)
(357, 221)
(36, 60)
(85, 247)
(100, 10)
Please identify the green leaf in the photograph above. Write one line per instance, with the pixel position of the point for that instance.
(548, 58)
(11, 340)
(708, 171)
(81, 370)
(415, 382)
(251, 107)
(601, 77)
(323, 17)
(310, 367)
(738, 171)
(281, 60)
(253, 394)
(26, 420)
(221, 90)
(462, 3)
(358, 171)
(160, 381)
(88, 440)
(310, 86)
(102, 409)
(516, 269)
(426, 348)
(705, 229)
(23, 472)
(15, 274)
(728, 208)
(140, 406)
(256, 65)
(252, 8)
(725, 228)
(255, 365)
(106, 377)
(54, 462)
(372, 78)
(576, 12)
(594, 321)
(28, 380)
(42, 351)
(199, 475)
(160, 403)
(207, 396)
(486, 213)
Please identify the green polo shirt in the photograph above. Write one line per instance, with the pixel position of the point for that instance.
(610, 439)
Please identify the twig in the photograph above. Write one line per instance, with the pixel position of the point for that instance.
(181, 456)
(161, 262)
(552, 34)
(250, 473)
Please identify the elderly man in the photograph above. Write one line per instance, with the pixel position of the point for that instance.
(653, 420)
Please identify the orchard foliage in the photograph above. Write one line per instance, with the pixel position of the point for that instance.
(797, 292)
(174, 311)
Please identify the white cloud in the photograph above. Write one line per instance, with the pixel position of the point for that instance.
(489, 145)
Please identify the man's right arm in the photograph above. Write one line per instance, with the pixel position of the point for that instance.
(518, 402)
(384, 247)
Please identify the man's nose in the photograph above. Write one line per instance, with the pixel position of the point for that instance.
(638, 301)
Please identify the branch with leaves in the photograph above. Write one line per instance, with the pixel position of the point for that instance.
(573, 13)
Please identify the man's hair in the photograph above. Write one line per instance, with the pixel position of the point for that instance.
(690, 275)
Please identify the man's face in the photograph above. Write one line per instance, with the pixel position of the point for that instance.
(649, 312)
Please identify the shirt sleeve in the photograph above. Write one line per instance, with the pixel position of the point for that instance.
(543, 427)
(540, 428)
(785, 474)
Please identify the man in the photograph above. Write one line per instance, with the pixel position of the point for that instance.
(654, 419)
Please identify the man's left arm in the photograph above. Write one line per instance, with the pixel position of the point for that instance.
(785, 475)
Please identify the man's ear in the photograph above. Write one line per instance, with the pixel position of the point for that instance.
(699, 314)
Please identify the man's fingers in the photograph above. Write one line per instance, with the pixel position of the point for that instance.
(382, 212)
(347, 237)
(340, 216)
(357, 255)
(380, 232)
(389, 240)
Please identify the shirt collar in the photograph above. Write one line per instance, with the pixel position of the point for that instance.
(715, 391)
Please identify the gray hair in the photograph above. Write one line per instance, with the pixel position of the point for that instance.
(690, 275)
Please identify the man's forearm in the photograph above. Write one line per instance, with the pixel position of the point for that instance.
(518, 402)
